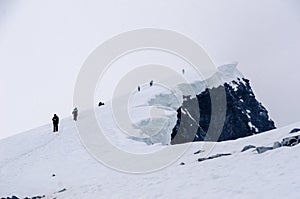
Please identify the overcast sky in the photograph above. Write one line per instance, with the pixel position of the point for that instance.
(43, 44)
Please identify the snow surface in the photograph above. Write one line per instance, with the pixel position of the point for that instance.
(28, 160)
(152, 115)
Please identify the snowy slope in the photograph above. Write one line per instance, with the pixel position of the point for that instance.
(28, 160)
(39, 162)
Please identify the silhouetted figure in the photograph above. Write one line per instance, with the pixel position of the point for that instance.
(183, 71)
(151, 83)
(139, 88)
(55, 121)
(75, 114)
(100, 104)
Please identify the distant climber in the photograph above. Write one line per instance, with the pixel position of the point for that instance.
(183, 71)
(100, 104)
(151, 83)
(55, 121)
(139, 88)
(75, 114)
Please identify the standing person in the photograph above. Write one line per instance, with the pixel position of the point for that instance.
(151, 83)
(55, 121)
(75, 114)
(183, 71)
(139, 88)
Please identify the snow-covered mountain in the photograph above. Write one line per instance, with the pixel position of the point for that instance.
(58, 165)
(41, 163)
(222, 107)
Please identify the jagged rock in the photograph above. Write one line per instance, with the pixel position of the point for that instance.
(248, 147)
(197, 152)
(295, 130)
(244, 115)
(277, 145)
(291, 141)
(213, 157)
(37, 197)
(62, 190)
(15, 197)
(263, 149)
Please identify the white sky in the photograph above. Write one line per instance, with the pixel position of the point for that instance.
(44, 43)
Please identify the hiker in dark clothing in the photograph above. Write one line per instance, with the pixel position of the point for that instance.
(183, 71)
(100, 104)
(151, 83)
(55, 121)
(139, 88)
(75, 114)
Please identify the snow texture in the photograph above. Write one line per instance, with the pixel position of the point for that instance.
(29, 160)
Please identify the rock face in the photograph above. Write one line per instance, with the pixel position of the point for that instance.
(263, 149)
(15, 197)
(213, 157)
(277, 145)
(286, 142)
(295, 130)
(291, 141)
(248, 147)
(244, 115)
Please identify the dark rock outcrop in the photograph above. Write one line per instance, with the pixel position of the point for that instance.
(63, 190)
(248, 147)
(15, 197)
(291, 141)
(286, 142)
(197, 152)
(263, 149)
(213, 157)
(242, 115)
(277, 145)
(295, 130)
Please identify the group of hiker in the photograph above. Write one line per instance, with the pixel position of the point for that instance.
(151, 82)
(55, 119)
